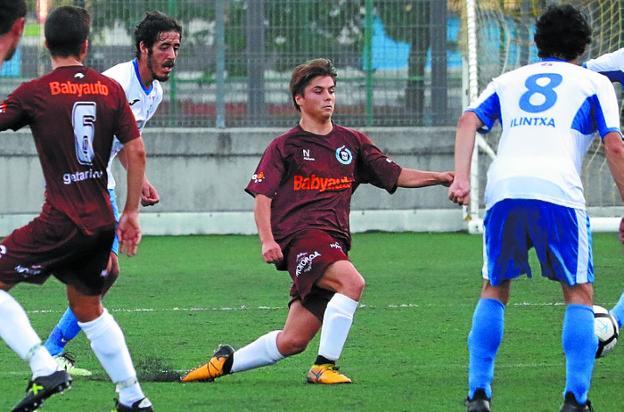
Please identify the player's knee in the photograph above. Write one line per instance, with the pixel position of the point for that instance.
(86, 311)
(292, 345)
(354, 287)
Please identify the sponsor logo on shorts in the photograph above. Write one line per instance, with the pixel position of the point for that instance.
(69, 178)
(343, 155)
(322, 184)
(335, 245)
(3, 250)
(257, 177)
(33, 270)
(78, 89)
(304, 262)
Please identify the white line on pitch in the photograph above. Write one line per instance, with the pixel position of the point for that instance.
(272, 308)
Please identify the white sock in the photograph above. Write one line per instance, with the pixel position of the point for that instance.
(109, 345)
(261, 352)
(16, 331)
(336, 325)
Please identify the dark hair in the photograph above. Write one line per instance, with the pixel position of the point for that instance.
(10, 10)
(151, 26)
(304, 73)
(563, 32)
(66, 29)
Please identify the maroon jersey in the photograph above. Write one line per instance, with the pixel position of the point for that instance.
(73, 113)
(311, 178)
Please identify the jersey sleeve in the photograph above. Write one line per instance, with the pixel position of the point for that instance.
(610, 65)
(606, 110)
(375, 167)
(268, 175)
(126, 128)
(13, 113)
(487, 108)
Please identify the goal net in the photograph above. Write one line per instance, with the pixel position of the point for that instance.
(498, 37)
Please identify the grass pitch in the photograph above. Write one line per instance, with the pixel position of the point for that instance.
(182, 296)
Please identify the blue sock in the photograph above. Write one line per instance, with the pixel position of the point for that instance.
(618, 311)
(486, 335)
(579, 345)
(66, 330)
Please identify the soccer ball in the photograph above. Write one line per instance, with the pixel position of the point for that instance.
(606, 330)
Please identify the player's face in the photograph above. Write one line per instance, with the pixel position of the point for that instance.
(319, 98)
(162, 56)
(16, 31)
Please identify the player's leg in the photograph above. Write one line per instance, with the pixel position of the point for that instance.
(618, 311)
(342, 278)
(67, 327)
(484, 339)
(563, 244)
(109, 345)
(300, 327)
(29, 248)
(579, 343)
(505, 256)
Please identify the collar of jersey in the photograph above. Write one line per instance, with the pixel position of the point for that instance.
(553, 59)
(147, 90)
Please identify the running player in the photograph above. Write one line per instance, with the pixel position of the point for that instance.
(157, 40)
(549, 112)
(72, 237)
(302, 188)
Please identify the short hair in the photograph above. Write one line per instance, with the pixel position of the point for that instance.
(151, 26)
(10, 10)
(562, 31)
(66, 29)
(304, 73)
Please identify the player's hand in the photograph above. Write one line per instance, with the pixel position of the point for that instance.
(459, 191)
(446, 178)
(621, 231)
(129, 233)
(271, 252)
(149, 194)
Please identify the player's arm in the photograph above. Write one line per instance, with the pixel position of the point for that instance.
(129, 230)
(422, 178)
(467, 126)
(149, 194)
(614, 151)
(271, 251)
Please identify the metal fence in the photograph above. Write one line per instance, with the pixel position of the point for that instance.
(398, 61)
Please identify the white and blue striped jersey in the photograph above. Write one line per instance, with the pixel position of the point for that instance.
(610, 65)
(143, 102)
(549, 112)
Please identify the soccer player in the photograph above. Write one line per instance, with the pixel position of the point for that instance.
(534, 196)
(12, 20)
(302, 188)
(74, 113)
(157, 40)
(612, 66)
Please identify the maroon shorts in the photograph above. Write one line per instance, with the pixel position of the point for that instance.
(54, 245)
(308, 255)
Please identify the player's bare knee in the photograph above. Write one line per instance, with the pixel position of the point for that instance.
(289, 345)
(86, 310)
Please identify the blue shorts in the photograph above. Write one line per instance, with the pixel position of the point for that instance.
(113, 200)
(560, 235)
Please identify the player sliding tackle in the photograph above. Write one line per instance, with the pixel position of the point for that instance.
(534, 194)
(72, 237)
(302, 188)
